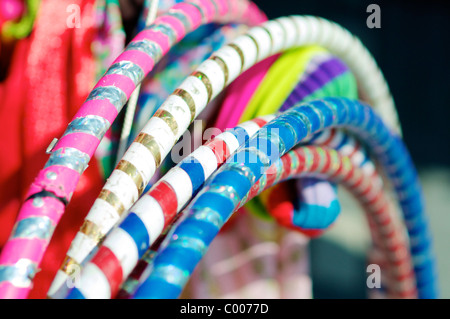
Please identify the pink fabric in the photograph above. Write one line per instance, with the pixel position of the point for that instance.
(240, 92)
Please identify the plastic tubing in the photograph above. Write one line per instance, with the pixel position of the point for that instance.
(211, 208)
(298, 74)
(338, 140)
(154, 211)
(54, 186)
(367, 188)
(161, 132)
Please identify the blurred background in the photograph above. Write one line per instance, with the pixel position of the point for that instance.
(412, 48)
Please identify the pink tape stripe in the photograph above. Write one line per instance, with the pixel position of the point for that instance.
(191, 12)
(9, 291)
(209, 8)
(18, 248)
(223, 7)
(84, 142)
(52, 207)
(155, 36)
(169, 203)
(144, 61)
(176, 25)
(120, 81)
(102, 108)
(64, 183)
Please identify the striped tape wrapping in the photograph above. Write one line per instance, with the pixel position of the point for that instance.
(151, 214)
(175, 263)
(367, 188)
(71, 154)
(326, 163)
(177, 112)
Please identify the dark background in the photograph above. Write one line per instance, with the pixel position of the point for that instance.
(412, 48)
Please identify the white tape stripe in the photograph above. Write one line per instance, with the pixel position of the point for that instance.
(151, 214)
(215, 75)
(250, 127)
(232, 60)
(124, 248)
(181, 183)
(80, 247)
(162, 134)
(94, 284)
(207, 159)
(230, 140)
(142, 159)
(121, 184)
(248, 49)
(198, 92)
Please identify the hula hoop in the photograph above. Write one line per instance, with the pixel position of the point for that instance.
(54, 186)
(236, 177)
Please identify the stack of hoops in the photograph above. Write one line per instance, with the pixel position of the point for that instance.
(294, 101)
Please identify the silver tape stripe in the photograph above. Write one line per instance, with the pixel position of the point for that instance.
(70, 158)
(130, 285)
(240, 168)
(279, 170)
(171, 274)
(270, 134)
(206, 214)
(91, 124)
(34, 227)
(19, 274)
(333, 110)
(305, 120)
(113, 94)
(224, 191)
(178, 14)
(128, 69)
(263, 157)
(166, 30)
(189, 243)
(295, 162)
(216, 8)
(148, 47)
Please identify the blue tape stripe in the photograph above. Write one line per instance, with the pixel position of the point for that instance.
(195, 171)
(75, 294)
(135, 227)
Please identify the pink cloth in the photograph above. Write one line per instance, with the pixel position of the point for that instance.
(240, 92)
